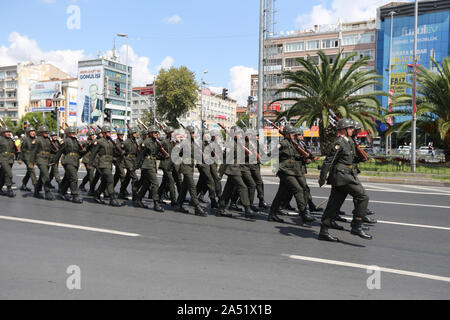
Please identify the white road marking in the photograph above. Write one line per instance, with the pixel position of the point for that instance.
(70, 226)
(366, 267)
(429, 189)
(399, 203)
(408, 224)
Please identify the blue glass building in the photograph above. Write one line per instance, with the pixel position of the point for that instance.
(433, 41)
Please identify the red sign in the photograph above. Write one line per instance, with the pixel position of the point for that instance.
(48, 102)
(219, 116)
(147, 92)
(272, 107)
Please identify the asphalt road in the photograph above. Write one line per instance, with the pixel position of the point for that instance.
(140, 254)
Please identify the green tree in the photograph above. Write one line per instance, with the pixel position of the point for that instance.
(433, 105)
(176, 93)
(30, 116)
(244, 118)
(323, 86)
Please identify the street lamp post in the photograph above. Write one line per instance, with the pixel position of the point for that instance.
(414, 119)
(201, 97)
(126, 83)
(389, 138)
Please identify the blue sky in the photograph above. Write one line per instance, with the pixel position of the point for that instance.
(220, 36)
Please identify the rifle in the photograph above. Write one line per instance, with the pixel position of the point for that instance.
(3, 123)
(135, 142)
(247, 151)
(294, 143)
(161, 148)
(361, 153)
(116, 146)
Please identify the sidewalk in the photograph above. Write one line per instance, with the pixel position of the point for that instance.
(420, 181)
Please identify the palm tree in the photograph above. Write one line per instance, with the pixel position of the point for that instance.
(323, 86)
(433, 105)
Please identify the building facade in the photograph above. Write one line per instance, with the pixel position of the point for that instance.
(98, 80)
(16, 83)
(142, 101)
(432, 41)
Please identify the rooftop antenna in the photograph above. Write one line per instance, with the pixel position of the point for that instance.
(114, 50)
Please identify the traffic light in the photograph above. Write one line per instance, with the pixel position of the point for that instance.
(55, 114)
(249, 101)
(25, 125)
(117, 88)
(108, 116)
(225, 94)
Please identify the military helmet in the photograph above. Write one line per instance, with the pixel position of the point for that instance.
(190, 129)
(287, 129)
(5, 129)
(170, 129)
(29, 129)
(53, 133)
(357, 125)
(70, 130)
(106, 129)
(292, 130)
(143, 132)
(152, 129)
(133, 130)
(299, 131)
(43, 129)
(344, 124)
(90, 132)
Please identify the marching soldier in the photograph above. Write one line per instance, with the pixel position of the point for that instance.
(255, 170)
(119, 165)
(90, 171)
(235, 180)
(148, 156)
(292, 179)
(168, 167)
(132, 151)
(54, 169)
(187, 170)
(42, 156)
(95, 165)
(72, 151)
(104, 149)
(343, 178)
(7, 154)
(27, 148)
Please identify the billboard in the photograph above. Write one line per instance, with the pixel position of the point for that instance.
(46, 90)
(90, 95)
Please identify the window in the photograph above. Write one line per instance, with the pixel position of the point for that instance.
(291, 62)
(330, 43)
(294, 46)
(358, 39)
(313, 45)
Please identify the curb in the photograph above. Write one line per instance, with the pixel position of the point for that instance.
(410, 181)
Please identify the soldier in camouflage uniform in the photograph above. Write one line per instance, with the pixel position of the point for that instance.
(119, 165)
(343, 179)
(72, 151)
(167, 166)
(104, 149)
(42, 156)
(95, 165)
(132, 151)
(54, 169)
(27, 146)
(90, 171)
(7, 154)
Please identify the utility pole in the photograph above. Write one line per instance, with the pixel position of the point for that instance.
(389, 138)
(414, 119)
(260, 124)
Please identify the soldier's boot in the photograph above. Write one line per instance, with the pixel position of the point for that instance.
(281, 212)
(214, 204)
(341, 213)
(113, 202)
(324, 235)
(63, 196)
(98, 198)
(157, 207)
(273, 217)
(331, 224)
(10, 193)
(92, 192)
(220, 212)
(288, 207)
(357, 230)
(370, 212)
(37, 194)
(249, 213)
(200, 212)
(254, 208)
(25, 188)
(49, 196)
(263, 205)
(137, 203)
(339, 218)
(201, 197)
(77, 199)
(313, 208)
(173, 204)
(123, 196)
(82, 188)
(369, 220)
(233, 206)
(307, 217)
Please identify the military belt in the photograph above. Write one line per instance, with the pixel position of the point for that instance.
(131, 156)
(45, 153)
(8, 153)
(74, 154)
(150, 157)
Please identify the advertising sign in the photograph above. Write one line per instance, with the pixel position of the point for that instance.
(46, 90)
(90, 95)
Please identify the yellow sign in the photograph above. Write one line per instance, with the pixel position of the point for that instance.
(398, 81)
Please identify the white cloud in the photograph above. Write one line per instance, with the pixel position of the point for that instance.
(22, 49)
(173, 19)
(166, 63)
(239, 86)
(346, 10)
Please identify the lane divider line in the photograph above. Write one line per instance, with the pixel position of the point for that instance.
(398, 203)
(70, 226)
(366, 267)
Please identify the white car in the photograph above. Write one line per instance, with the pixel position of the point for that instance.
(404, 150)
(423, 151)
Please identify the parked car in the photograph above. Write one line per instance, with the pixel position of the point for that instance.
(404, 150)
(423, 151)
